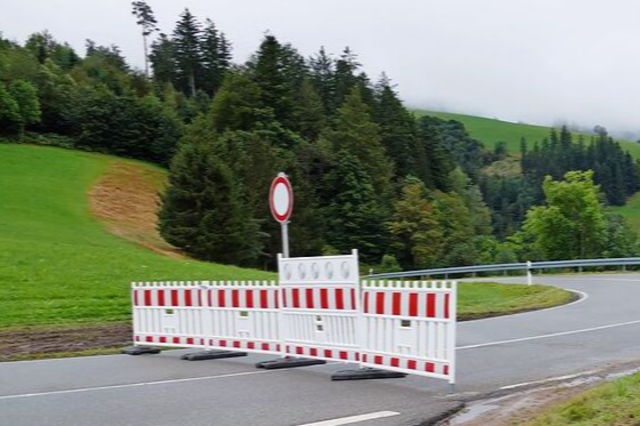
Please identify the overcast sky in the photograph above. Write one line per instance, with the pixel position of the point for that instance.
(541, 61)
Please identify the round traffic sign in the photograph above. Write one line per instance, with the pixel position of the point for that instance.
(281, 198)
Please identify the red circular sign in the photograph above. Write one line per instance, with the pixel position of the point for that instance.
(281, 198)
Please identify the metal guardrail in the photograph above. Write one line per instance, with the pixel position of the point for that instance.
(523, 266)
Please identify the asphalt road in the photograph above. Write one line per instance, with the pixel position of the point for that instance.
(600, 330)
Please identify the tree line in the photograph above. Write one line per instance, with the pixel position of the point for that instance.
(407, 191)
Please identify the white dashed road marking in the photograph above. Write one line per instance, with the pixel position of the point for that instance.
(354, 419)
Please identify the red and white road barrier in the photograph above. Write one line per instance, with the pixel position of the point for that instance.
(320, 305)
(168, 314)
(410, 327)
(242, 315)
(319, 309)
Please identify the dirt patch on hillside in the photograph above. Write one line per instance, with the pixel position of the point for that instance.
(126, 198)
(43, 342)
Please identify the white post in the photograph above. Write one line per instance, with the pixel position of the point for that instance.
(529, 275)
(285, 239)
(453, 320)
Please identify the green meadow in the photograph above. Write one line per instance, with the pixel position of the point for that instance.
(59, 266)
(490, 131)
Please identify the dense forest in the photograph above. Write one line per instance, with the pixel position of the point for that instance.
(407, 191)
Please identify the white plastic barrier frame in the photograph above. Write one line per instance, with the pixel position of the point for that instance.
(319, 307)
(168, 314)
(410, 327)
(242, 316)
(319, 310)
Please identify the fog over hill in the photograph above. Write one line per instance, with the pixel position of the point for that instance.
(537, 61)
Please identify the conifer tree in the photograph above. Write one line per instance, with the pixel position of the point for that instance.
(397, 129)
(238, 104)
(309, 113)
(216, 57)
(202, 211)
(163, 61)
(438, 165)
(322, 74)
(356, 133)
(345, 75)
(269, 73)
(42, 45)
(356, 218)
(147, 21)
(188, 55)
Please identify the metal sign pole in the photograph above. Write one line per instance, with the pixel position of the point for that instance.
(285, 239)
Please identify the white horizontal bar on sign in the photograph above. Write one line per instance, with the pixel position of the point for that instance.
(408, 318)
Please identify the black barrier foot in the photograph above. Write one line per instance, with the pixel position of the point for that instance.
(366, 374)
(205, 355)
(141, 350)
(289, 362)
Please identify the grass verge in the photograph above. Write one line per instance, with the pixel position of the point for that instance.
(610, 404)
(483, 300)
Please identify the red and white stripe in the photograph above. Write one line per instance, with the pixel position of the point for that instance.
(333, 354)
(244, 298)
(314, 298)
(248, 345)
(167, 297)
(412, 365)
(272, 347)
(407, 303)
(170, 340)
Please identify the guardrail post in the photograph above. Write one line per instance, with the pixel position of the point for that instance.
(529, 275)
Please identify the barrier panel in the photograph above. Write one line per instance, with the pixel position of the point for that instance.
(242, 315)
(168, 314)
(318, 310)
(410, 327)
(320, 304)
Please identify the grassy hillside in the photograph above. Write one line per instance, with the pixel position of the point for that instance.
(631, 211)
(57, 263)
(64, 275)
(491, 131)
